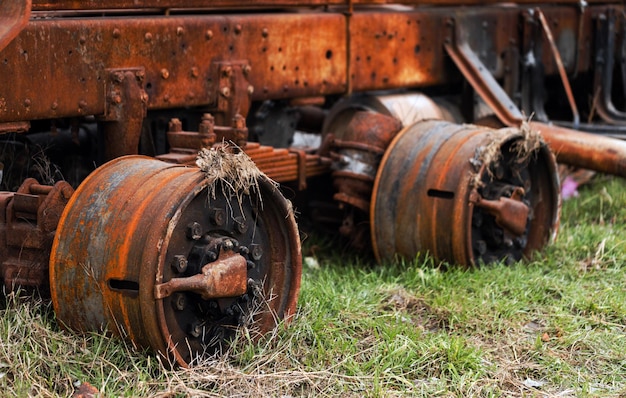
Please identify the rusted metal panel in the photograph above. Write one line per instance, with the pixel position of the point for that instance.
(69, 57)
(391, 49)
(48, 5)
(289, 55)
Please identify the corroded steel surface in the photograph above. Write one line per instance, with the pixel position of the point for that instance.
(14, 16)
(181, 4)
(149, 232)
(585, 150)
(430, 185)
(181, 54)
(28, 219)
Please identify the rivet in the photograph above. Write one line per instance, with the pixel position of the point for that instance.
(226, 92)
(148, 37)
(238, 29)
(116, 33)
(165, 73)
(250, 90)
(82, 40)
(27, 102)
(264, 32)
(194, 72)
(208, 34)
(166, 98)
(82, 104)
(179, 31)
(54, 106)
(118, 77)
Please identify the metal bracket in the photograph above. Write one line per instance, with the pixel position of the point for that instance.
(605, 62)
(234, 90)
(479, 77)
(125, 108)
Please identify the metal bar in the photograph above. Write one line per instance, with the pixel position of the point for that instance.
(49, 5)
(559, 64)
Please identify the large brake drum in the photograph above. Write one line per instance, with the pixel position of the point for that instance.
(465, 194)
(157, 253)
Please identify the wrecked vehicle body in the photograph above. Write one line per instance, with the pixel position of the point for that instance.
(436, 127)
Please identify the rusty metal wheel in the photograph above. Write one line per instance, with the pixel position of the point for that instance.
(465, 194)
(143, 252)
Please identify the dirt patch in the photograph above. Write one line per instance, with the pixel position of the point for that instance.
(421, 313)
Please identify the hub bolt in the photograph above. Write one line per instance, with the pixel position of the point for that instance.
(217, 216)
(179, 301)
(211, 255)
(257, 251)
(196, 330)
(228, 245)
(194, 231)
(180, 263)
(241, 225)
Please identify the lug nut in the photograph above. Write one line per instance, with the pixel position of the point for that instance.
(217, 216)
(180, 263)
(257, 251)
(179, 301)
(228, 245)
(211, 256)
(241, 225)
(194, 231)
(250, 264)
(196, 330)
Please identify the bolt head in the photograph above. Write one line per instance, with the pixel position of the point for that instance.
(256, 251)
(180, 263)
(196, 330)
(241, 225)
(179, 301)
(217, 216)
(228, 245)
(194, 231)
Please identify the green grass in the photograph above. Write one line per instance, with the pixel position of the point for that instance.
(553, 326)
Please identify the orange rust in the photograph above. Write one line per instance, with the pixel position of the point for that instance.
(129, 252)
(431, 206)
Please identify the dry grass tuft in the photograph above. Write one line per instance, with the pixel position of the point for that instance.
(527, 143)
(231, 168)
